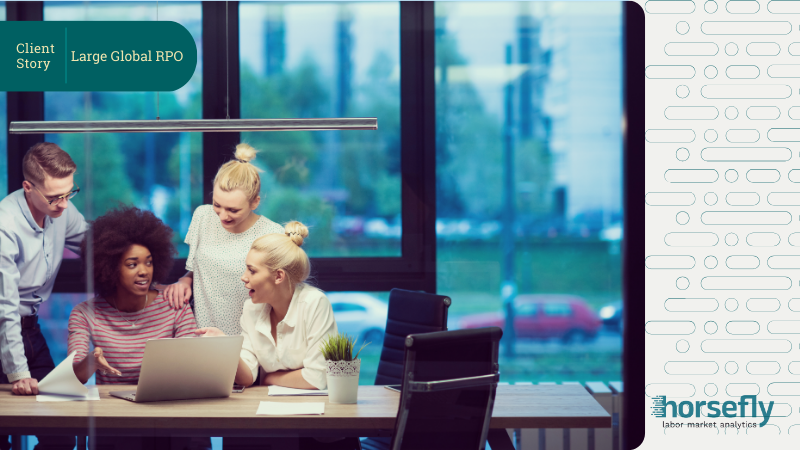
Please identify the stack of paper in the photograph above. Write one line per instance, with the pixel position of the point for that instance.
(61, 385)
(280, 391)
(92, 394)
(290, 409)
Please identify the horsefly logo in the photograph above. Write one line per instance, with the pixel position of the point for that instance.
(713, 409)
(659, 406)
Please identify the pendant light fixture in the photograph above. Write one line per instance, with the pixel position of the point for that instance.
(197, 125)
(179, 126)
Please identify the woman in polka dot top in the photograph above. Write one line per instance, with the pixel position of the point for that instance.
(219, 238)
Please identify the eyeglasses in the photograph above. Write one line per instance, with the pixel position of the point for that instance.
(58, 199)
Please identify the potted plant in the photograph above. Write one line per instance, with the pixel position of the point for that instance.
(343, 367)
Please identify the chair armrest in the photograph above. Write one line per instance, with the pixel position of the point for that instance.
(443, 385)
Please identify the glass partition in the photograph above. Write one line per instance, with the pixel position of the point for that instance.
(327, 60)
(3, 130)
(161, 172)
(529, 180)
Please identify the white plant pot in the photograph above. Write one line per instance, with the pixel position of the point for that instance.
(343, 381)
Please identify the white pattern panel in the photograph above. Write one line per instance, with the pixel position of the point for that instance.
(722, 142)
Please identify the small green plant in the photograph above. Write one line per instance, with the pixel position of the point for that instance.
(339, 347)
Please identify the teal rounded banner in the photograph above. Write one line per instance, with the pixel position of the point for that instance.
(95, 56)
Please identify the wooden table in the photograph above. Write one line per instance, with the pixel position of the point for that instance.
(557, 406)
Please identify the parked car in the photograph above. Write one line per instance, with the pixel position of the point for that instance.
(611, 315)
(544, 316)
(361, 315)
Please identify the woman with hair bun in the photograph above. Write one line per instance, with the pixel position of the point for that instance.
(285, 319)
(219, 237)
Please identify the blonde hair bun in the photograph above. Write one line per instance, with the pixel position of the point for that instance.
(278, 252)
(244, 152)
(235, 175)
(296, 231)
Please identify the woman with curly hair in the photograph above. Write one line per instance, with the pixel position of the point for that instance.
(131, 249)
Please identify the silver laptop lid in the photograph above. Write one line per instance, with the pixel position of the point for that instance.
(184, 368)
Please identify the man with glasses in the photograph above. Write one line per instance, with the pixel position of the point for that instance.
(38, 222)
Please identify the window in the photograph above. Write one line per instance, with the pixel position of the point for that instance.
(348, 307)
(382, 241)
(529, 175)
(363, 316)
(327, 60)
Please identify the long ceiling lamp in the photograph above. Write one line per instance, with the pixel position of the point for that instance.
(200, 125)
(205, 125)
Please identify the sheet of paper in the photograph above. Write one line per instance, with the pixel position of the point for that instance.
(280, 390)
(93, 394)
(290, 409)
(62, 380)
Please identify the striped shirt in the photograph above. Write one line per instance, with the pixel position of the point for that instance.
(98, 324)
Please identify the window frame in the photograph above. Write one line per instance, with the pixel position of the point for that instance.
(416, 268)
(633, 248)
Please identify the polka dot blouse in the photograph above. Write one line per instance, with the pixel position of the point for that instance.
(216, 258)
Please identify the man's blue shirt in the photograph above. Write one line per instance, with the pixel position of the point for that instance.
(30, 257)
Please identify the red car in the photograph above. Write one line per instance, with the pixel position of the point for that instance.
(544, 316)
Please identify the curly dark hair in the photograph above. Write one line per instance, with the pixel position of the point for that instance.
(117, 230)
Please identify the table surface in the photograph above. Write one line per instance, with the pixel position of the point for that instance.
(549, 406)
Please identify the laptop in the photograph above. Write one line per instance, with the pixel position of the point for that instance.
(186, 368)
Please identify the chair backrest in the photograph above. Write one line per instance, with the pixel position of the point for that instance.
(449, 385)
(409, 313)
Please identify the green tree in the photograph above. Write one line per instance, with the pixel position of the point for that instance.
(173, 164)
(286, 95)
(287, 157)
(469, 148)
(370, 161)
(468, 142)
(108, 186)
(533, 175)
(313, 211)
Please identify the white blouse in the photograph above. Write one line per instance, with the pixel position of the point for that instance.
(309, 319)
(216, 256)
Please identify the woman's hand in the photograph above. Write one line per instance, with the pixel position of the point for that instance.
(101, 364)
(179, 293)
(209, 332)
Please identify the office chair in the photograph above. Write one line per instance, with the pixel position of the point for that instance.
(449, 385)
(409, 313)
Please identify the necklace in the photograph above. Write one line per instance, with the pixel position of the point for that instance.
(132, 324)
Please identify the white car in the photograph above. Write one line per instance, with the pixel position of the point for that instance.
(361, 315)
